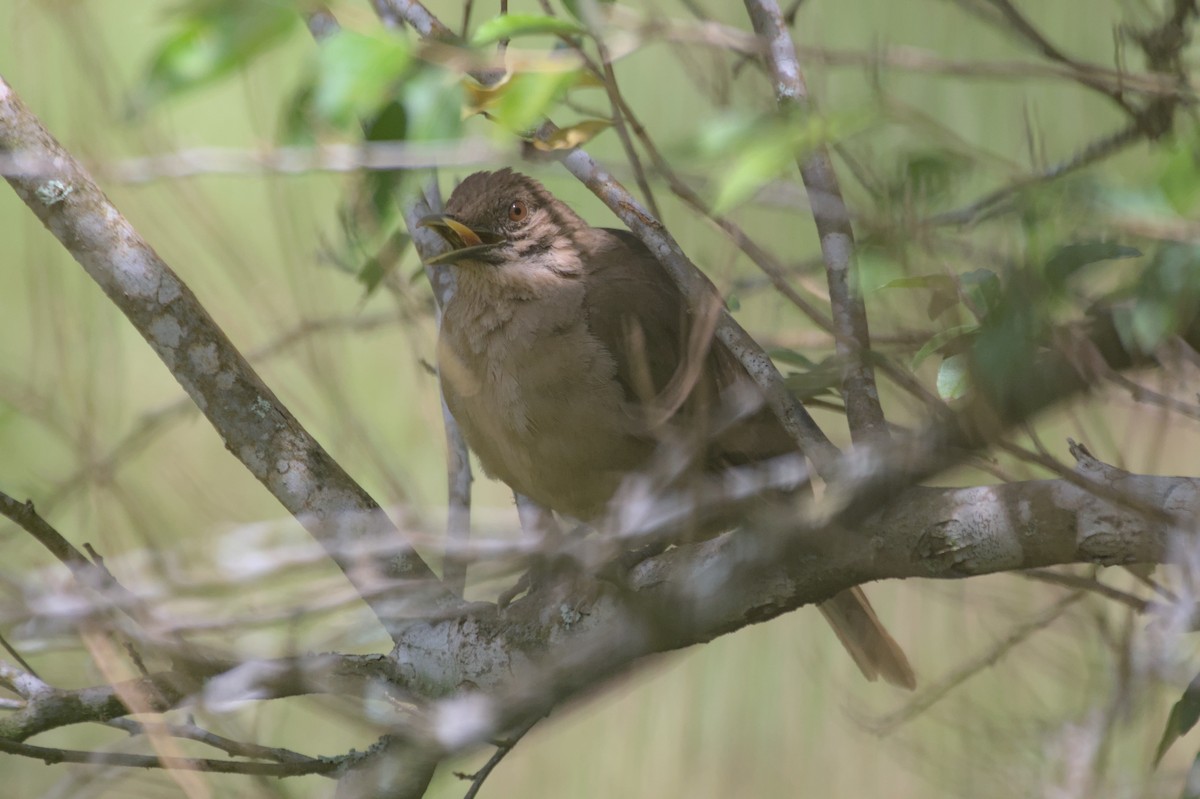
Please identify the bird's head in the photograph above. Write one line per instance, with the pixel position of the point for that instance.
(505, 218)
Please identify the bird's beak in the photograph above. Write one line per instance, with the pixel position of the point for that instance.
(464, 241)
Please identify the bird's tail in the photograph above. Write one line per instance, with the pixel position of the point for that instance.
(860, 631)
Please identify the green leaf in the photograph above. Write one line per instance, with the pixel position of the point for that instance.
(1167, 296)
(1184, 715)
(941, 340)
(528, 96)
(356, 74)
(510, 26)
(1180, 177)
(1070, 258)
(212, 38)
(433, 103)
(944, 290)
(791, 357)
(298, 118)
(821, 378)
(953, 377)
(373, 271)
(751, 150)
(983, 289)
(928, 175)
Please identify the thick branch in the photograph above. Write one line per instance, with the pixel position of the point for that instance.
(528, 658)
(251, 420)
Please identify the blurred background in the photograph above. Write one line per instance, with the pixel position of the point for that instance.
(94, 430)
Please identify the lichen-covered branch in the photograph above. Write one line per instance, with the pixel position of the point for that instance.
(255, 426)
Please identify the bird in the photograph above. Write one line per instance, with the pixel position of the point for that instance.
(568, 357)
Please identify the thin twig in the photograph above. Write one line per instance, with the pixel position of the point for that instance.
(51, 756)
(937, 691)
(485, 771)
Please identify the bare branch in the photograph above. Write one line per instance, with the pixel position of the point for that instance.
(256, 427)
(863, 409)
(51, 756)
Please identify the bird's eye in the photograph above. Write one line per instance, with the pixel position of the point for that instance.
(518, 211)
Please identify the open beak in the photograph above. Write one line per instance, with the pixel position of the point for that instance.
(464, 241)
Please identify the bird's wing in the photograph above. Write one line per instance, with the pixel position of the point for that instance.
(671, 360)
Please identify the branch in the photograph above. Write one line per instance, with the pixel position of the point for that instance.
(254, 424)
(863, 409)
(51, 756)
(527, 659)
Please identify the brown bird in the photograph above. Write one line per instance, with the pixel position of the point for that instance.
(568, 357)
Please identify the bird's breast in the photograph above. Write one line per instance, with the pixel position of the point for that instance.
(537, 400)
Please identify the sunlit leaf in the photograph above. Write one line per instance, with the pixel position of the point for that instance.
(356, 74)
(510, 26)
(953, 377)
(573, 135)
(211, 39)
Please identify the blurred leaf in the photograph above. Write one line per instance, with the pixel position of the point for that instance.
(573, 135)
(1166, 297)
(733, 302)
(510, 26)
(373, 198)
(1180, 178)
(750, 150)
(585, 9)
(953, 377)
(944, 290)
(373, 271)
(480, 98)
(356, 74)
(982, 287)
(1191, 784)
(1184, 715)
(433, 101)
(1005, 345)
(767, 154)
(941, 340)
(1070, 258)
(792, 358)
(929, 174)
(821, 378)
(212, 38)
(528, 96)
(298, 120)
